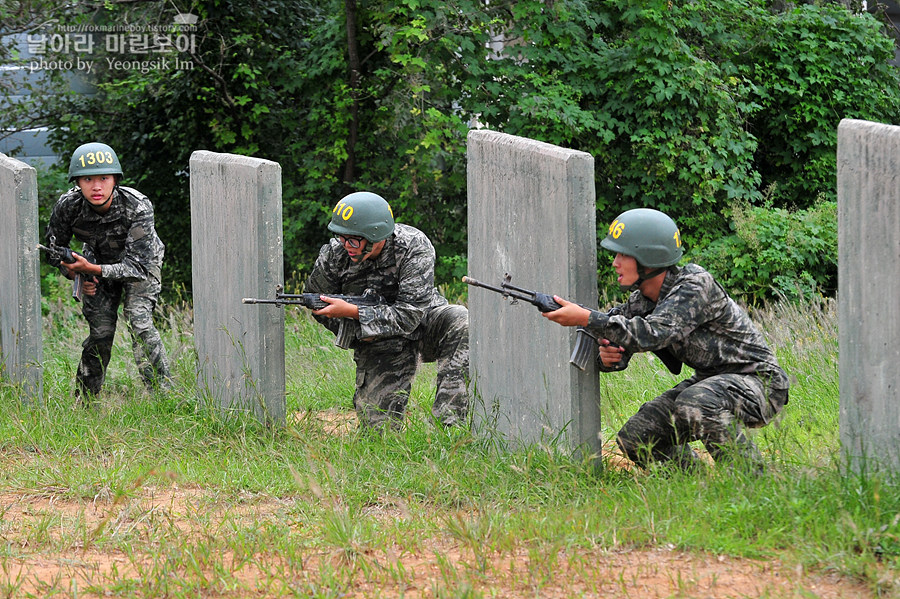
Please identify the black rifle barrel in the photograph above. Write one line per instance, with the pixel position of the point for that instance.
(506, 290)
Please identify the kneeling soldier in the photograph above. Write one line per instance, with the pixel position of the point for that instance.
(370, 252)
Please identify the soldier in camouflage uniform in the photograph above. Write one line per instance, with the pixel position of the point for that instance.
(737, 381)
(121, 261)
(415, 323)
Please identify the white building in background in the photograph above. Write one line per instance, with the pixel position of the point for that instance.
(32, 145)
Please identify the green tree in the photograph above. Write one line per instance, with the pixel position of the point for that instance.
(689, 107)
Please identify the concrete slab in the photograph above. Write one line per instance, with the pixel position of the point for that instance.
(532, 214)
(236, 237)
(868, 180)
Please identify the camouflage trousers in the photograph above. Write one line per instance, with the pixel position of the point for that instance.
(714, 410)
(385, 369)
(138, 300)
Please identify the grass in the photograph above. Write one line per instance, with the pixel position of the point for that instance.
(158, 496)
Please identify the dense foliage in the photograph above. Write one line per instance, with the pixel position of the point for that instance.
(694, 108)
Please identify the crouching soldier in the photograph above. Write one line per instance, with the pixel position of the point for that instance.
(737, 382)
(370, 252)
(121, 261)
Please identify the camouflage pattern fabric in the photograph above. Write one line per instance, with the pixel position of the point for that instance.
(415, 323)
(124, 242)
(101, 313)
(737, 381)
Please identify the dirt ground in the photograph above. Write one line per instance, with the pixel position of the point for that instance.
(655, 573)
(87, 566)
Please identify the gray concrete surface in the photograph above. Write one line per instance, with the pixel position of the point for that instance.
(21, 348)
(531, 213)
(236, 238)
(868, 180)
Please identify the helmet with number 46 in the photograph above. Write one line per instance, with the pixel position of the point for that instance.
(647, 235)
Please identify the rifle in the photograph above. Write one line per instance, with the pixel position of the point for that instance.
(585, 343)
(63, 254)
(346, 332)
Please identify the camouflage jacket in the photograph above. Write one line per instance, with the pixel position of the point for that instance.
(697, 320)
(123, 241)
(403, 273)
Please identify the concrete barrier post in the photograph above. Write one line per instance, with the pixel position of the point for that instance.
(532, 214)
(21, 349)
(236, 236)
(868, 163)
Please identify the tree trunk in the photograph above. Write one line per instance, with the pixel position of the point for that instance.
(353, 63)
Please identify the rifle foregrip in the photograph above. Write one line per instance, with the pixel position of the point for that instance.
(545, 302)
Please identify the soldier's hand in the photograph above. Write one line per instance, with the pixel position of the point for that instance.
(337, 308)
(570, 315)
(89, 287)
(610, 355)
(81, 265)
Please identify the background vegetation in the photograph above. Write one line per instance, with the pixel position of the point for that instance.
(720, 112)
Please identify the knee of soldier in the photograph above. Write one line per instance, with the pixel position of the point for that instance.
(139, 321)
(97, 341)
(459, 318)
(630, 441)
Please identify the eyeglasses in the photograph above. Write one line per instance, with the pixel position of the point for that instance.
(351, 242)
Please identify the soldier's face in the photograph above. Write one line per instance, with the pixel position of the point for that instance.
(97, 189)
(626, 269)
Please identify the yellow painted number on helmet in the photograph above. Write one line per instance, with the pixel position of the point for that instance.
(677, 237)
(96, 158)
(616, 228)
(345, 210)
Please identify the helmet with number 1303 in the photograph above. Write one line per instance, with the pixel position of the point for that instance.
(94, 159)
(647, 235)
(363, 214)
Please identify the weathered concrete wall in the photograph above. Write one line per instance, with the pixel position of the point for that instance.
(236, 236)
(531, 213)
(868, 161)
(21, 350)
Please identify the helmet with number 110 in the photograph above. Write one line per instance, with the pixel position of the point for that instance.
(94, 159)
(647, 235)
(363, 214)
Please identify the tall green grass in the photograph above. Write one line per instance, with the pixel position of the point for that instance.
(318, 494)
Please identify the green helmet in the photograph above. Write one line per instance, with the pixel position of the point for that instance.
(647, 235)
(94, 159)
(363, 214)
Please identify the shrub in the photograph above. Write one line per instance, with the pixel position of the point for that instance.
(776, 252)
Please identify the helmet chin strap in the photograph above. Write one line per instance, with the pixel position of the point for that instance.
(644, 277)
(108, 200)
